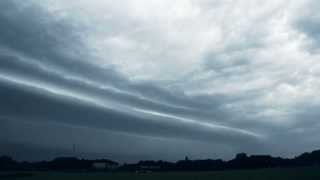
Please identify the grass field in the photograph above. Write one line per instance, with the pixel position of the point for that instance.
(263, 174)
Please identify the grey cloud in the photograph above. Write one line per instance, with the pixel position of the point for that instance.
(311, 28)
(60, 67)
(49, 80)
(19, 104)
(92, 143)
(29, 29)
(309, 24)
(15, 67)
(228, 63)
(47, 43)
(35, 43)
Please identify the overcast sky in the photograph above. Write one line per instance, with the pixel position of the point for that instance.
(159, 79)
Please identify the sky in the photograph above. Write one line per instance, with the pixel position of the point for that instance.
(159, 79)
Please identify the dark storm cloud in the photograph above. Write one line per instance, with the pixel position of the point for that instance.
(39, 57)
(50, 81)
(46, 44)
(38, 106)
(46, 41)
(95, 143)
(16, 67)
(26, 28)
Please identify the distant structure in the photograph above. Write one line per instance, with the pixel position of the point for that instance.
(186, 158)
(104, 165)
(241, 161)
(99, 165)
(149, 168)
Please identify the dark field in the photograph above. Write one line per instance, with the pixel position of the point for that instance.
(263, 174)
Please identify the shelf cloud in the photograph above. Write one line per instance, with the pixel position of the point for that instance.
(164, 78)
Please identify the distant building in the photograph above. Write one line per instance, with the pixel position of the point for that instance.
(99, 165)
(104, 165)
(147, 168)
(150, 167)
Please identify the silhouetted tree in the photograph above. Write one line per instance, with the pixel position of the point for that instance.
(7, 163)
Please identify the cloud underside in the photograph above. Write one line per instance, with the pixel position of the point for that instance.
(175, 73)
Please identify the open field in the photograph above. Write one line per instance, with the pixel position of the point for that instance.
(263, 174)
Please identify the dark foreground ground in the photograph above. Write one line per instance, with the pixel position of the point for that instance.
(263, 174)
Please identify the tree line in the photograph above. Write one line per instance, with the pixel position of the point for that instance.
(241, 161)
